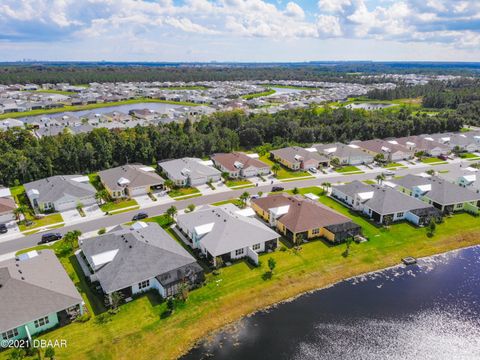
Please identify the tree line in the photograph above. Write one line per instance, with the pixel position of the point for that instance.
(26, 158)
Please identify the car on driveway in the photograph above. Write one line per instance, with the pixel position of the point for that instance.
(140, 216)
(49, 237)
(3, 229)
(389, 173)
(313, 170)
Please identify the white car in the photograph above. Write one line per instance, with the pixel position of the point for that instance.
(312, 170)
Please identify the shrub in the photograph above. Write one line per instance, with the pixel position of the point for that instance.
(102, 231)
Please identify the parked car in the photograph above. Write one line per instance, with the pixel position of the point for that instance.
(140, 216)
(389, 173)
(277, 188)
(3, 229)
(312, 170)
(443, 157)
(49, 237)
(254, 197)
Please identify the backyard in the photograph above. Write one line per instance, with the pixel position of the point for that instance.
(240, 289)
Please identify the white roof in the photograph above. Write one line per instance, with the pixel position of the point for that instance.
(206, 162)
(123, 181)
(393, 142)
(389, 184)
(353, 146)
(311, 149)
(245, 212)
(410, 143)
(470, 178)
(204, 229)
(384, 148)
(104, 258)
(27, 255)
(147, 169)
(429, 138)
(253, 156)
(139, 225)
(311, 196)
(81, 179)
(33, 192)
(281, 210)
(365, 195)
(424, 175)
(5, 192)
(425, 188)
(330, 150)
(471, 169)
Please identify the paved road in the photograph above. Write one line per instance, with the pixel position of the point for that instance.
(14, 245)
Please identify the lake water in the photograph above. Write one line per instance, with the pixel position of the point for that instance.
(427, 311)
(282, 91)
(161, 108)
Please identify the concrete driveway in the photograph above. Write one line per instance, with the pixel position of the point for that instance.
(13, 231)
(219, 187)
(144, 200)
(71, 215)
(93, 211)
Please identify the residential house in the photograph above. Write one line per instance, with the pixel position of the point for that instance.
(300, 219)
(60, 193)
(390, 149)
(144, 114)
(384, 204)
(347, 154)
(440, 193)
(226, 232)
(130, 180)
(36, 294)
(190, 171)
(296, 158)
(11, 124)
(139, 258)
(425, 144)
(468, 177)
(7, 206)
(238, 164)
(468, 142)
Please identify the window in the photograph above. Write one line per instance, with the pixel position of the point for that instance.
(144, 284)
(9, 334)
(256, 247)
(316, 231)
(400, 214)
(41, 322)
(238, 252)
(459, 206)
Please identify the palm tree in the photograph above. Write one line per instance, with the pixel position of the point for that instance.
(244, 197)
(172, 211)
(295, 191)
(20, 210)
(380, 178)
(276, 168)
(169, 184)
(325, 186)
(335, 162)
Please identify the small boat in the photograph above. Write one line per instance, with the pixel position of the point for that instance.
(409, 260)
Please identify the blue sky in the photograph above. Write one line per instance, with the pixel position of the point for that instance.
(240, 30)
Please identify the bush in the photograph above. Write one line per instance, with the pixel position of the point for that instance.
(83, 318)
(102, 231)
(103, 318)
(283, 248)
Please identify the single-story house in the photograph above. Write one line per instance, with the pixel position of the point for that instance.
(190, 171)
(238, 164)
(425, 144)
(226, 232)
(134, 259)
(300, 219)
(36, 294)
(469, 141)
(7, 205)
(130, 180)
(61, 192)
(384, 204)
(347, 154)
(438, 192)
(296, 158)
(468, 177)
(390, 149)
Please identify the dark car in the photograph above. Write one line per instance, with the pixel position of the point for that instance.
(443, 157)
(277, 188)
(3, 229)
(49, 237)
(140, 216)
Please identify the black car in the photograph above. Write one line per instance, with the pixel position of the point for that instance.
(140, 216)
(49, 237)
(3, 229)
(277, 188)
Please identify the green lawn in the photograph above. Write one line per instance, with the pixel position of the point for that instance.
(348, 169)
(433, 160)
(238, 182)
(118, 204)
(291, 87)
(370, 182)
(284, 173)
(60, 92)
(469, 156)
(316, 190)
(184, 88)
(259, 94)
(393, 165)
(182, 191)
(236, 202)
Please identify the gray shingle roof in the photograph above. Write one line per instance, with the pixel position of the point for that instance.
(341, 150)
(33, 288)
(142, 254)
(55, 187)
(134, 173)
(181, 169)
(289, 154)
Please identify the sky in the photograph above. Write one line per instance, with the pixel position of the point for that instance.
(240, 30)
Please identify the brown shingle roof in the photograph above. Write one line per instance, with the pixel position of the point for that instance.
(6, 205)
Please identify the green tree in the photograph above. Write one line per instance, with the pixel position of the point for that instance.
(272, 264)
(295, 190)
(244, 197)
(171, 304)
(276, 168)
(20, 211)
(169, 184)
(50, 353)
(172, 211)
(115, 299)
(432, 226)
(335, 162)
(380, 178)
(191, 207)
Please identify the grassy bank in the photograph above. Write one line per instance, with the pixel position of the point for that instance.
(240, 289)
(259, 94)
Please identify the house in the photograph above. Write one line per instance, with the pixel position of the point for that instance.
(238, 164)
(11, 124)
(7, 206)
(61, 192)
(145, 114)
(190, 171)
(468, 177)
(226, 232)
(300, 219)
(390, 149)
(36, 294)
(135, 259)
(469, 141)
(440, 193)
(425, 144)
(384, 204)
(347, 154)
(130, 180)
(296, 158)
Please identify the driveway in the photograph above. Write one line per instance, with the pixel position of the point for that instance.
(144, 200)
(219, 187)
(93, 211)
(13, 231)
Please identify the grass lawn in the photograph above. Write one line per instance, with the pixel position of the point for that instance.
(259, 94)
(240, 289)
(469, 156)
(370, 182)
(394, 165)
(291, 87)
(182, 191)
(236, 202)
(60, 92)
(118, 204)
(184, 88)
(188, 197)
(238, 182)
(433, 160)
(347, 169)
(316, 190)
(284, 173)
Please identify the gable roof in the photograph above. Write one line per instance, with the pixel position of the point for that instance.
(292, 153)
(381, 146)
(124, 257)
(55, 187)
(230, 160)
(421, 143)
(224, 229)
(7, 204)
(137, 175)
(188, 168)
(33, 288)
(341, 150)
(301, 214)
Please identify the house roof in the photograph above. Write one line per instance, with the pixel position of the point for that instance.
(138, 175)
(422, 143)
(292, 154)
(228, 230)
(341, 150)
(193, 168)
(54, 188)
(123, 256)
(7, 205)
(231, 161)
(440, 191)
(380, 146)
(33, 288)
(302, 214)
